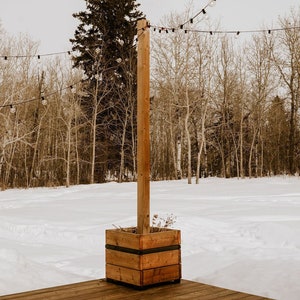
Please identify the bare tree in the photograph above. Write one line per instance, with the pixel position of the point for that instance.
(262, 83)
(286, 56)
(227, 84)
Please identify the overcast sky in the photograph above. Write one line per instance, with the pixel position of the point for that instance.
(51, 21)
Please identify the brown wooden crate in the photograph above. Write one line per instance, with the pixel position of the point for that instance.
(127, 262)
(145, 261)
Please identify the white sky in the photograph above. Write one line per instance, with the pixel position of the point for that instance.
(51, 21)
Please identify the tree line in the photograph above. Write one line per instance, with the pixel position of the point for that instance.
(222, 107)
(219, 107)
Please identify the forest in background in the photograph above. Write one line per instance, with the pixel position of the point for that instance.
(219, 107)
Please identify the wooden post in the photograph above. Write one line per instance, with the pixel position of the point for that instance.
(143, 127)
(139, 257)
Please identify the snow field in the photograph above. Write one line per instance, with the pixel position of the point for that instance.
(238, 234)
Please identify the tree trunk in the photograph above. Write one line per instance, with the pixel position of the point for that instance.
(188, 138)
(178, 166)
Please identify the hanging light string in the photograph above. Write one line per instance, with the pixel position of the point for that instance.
(201, 12)
(42, 98)
(211, 32)
(140, 32)
(181, 26)
(38, 56)
(69, 52)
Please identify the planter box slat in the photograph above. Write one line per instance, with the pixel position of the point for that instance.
(162, 275)
(164, 238)
(145, 261)
(143, 278)
(123, 275)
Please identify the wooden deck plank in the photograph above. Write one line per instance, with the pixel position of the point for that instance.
(100, 289)
(208, 292)
(159, 292)
(59, 292)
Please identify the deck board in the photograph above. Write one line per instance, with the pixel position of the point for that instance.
(100, 289)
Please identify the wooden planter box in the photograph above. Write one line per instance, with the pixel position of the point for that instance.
(143, 260)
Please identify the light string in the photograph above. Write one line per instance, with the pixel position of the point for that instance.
(69, 52)
(42, 98)
(139, 33)
(38, 56)
(161, 29)
(166, 29)
(202, 11)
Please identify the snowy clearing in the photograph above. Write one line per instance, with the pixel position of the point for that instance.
(238, 234)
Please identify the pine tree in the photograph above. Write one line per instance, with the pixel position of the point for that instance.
(104, 43)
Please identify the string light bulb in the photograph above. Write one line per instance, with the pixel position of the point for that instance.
(73, 89)
(44, 101)
(12, 109)
(212, 3)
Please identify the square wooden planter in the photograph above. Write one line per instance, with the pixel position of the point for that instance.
(143, 260)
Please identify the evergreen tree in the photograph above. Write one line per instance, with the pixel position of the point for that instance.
(105, 51)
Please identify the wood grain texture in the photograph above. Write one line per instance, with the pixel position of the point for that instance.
(143, 127)
(125, 238)
(100, 289)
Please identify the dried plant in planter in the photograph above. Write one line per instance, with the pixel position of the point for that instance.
(159, 223)
(163, 222)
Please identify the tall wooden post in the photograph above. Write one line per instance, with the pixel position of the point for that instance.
(143, 258)
(143, 128)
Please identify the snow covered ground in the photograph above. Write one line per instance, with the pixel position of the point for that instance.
(238, 234)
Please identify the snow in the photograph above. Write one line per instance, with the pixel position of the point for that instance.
(241, 234)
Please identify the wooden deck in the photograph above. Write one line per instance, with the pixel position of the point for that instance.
(100, 289)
